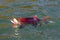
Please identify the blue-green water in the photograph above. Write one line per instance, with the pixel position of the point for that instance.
(27, 8)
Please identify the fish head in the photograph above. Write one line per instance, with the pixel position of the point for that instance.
(15, 22)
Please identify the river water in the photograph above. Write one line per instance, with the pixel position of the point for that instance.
(28, 8)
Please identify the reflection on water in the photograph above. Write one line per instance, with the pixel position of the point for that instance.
(27, 8)
(16, 35)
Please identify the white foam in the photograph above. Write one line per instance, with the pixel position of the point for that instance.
(51, 21)
(15, 20)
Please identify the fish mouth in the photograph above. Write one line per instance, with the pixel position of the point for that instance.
(14, 20)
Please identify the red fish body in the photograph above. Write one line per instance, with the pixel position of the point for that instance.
(29, 20)
(33, 21)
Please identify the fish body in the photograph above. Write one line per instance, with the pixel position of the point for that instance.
(28, 20)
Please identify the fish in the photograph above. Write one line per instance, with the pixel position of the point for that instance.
(28, 20)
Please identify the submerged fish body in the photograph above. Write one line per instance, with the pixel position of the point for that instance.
(21, 21)
(29, 20)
